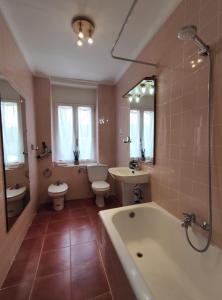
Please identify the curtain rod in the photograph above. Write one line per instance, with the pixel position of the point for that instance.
(118, 38)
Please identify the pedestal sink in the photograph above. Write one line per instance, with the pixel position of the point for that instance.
(128, 179)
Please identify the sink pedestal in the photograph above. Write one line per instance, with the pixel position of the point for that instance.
(128, 178)
(127, 193)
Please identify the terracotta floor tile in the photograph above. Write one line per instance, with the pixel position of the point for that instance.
(106, 296)
(88, 281)
(19, 292)
(76, 221)
(80, 203)
(55, 261)
(42, 217)
(36, 230)
(78, 212)
(82, 235)
(60, 216)
(58, 227)
(53, 287)
(29, 248)
(20, 271)
(56, 241)
(84, 253)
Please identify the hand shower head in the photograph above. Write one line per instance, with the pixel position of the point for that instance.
(187, 33)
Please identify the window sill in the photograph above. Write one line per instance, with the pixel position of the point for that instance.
(14, 166)
(66, 165)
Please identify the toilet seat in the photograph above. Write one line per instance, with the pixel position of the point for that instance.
(54, 189)
(100, 186)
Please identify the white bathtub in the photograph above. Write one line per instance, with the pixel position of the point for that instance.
(169, 268)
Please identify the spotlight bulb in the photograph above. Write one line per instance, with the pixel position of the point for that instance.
(137, 99)
(130, 98)
(90, 40)
(151, 90)
(81, 35)
(143, 88)
(79, 43)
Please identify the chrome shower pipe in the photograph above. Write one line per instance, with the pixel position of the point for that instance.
(210, 108)
(189, 33)
(118, 38)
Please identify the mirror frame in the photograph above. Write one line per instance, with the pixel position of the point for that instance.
(154, 78)
(3, 170)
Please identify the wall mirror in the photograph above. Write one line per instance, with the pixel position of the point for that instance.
(14, 149)
(142, 102)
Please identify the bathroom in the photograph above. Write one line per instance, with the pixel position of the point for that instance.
(81, 239)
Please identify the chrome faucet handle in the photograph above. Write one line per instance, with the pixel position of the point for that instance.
(189, 218)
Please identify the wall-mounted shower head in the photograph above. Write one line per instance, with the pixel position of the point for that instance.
(188, 33)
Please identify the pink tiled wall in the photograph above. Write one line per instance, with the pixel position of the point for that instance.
(180, 177)
(15, 69)
(106, 131)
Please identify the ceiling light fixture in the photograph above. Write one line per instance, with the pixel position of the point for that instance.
(84, 28)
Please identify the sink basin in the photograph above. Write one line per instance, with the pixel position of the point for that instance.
(127, 175)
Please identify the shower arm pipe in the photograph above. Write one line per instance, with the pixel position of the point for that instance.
(118, 38)
(202, 46)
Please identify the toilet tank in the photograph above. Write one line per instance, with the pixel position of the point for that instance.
(97, 172)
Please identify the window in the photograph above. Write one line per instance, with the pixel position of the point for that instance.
(12, 132)
(74, 131)
(148, 133)
(135, 133)
(141, 133)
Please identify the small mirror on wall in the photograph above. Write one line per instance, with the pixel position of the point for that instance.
(142, 100)
(14, 152)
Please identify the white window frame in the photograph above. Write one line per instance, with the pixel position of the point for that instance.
(75, 128)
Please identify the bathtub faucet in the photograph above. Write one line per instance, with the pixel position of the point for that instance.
(189, 219)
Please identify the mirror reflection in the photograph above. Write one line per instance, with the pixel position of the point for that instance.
(142, 119)
(14, 148)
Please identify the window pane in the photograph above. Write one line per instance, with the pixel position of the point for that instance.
(85, 131)
(148, 133)
(65, 133)
(135, 133)
(12, 132)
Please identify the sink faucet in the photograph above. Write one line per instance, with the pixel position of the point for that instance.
(135, 164)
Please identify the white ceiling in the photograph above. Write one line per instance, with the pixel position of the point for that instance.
(43, 32)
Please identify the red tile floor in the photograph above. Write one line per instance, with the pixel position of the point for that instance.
(60, 258)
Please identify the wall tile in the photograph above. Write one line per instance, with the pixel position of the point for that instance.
(182, 107)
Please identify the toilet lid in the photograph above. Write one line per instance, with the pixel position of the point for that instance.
(53, 188)
(100, 185)
(11, 193)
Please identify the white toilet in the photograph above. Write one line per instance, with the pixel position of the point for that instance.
(57, 192)
(14, 200)
(97, 174)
